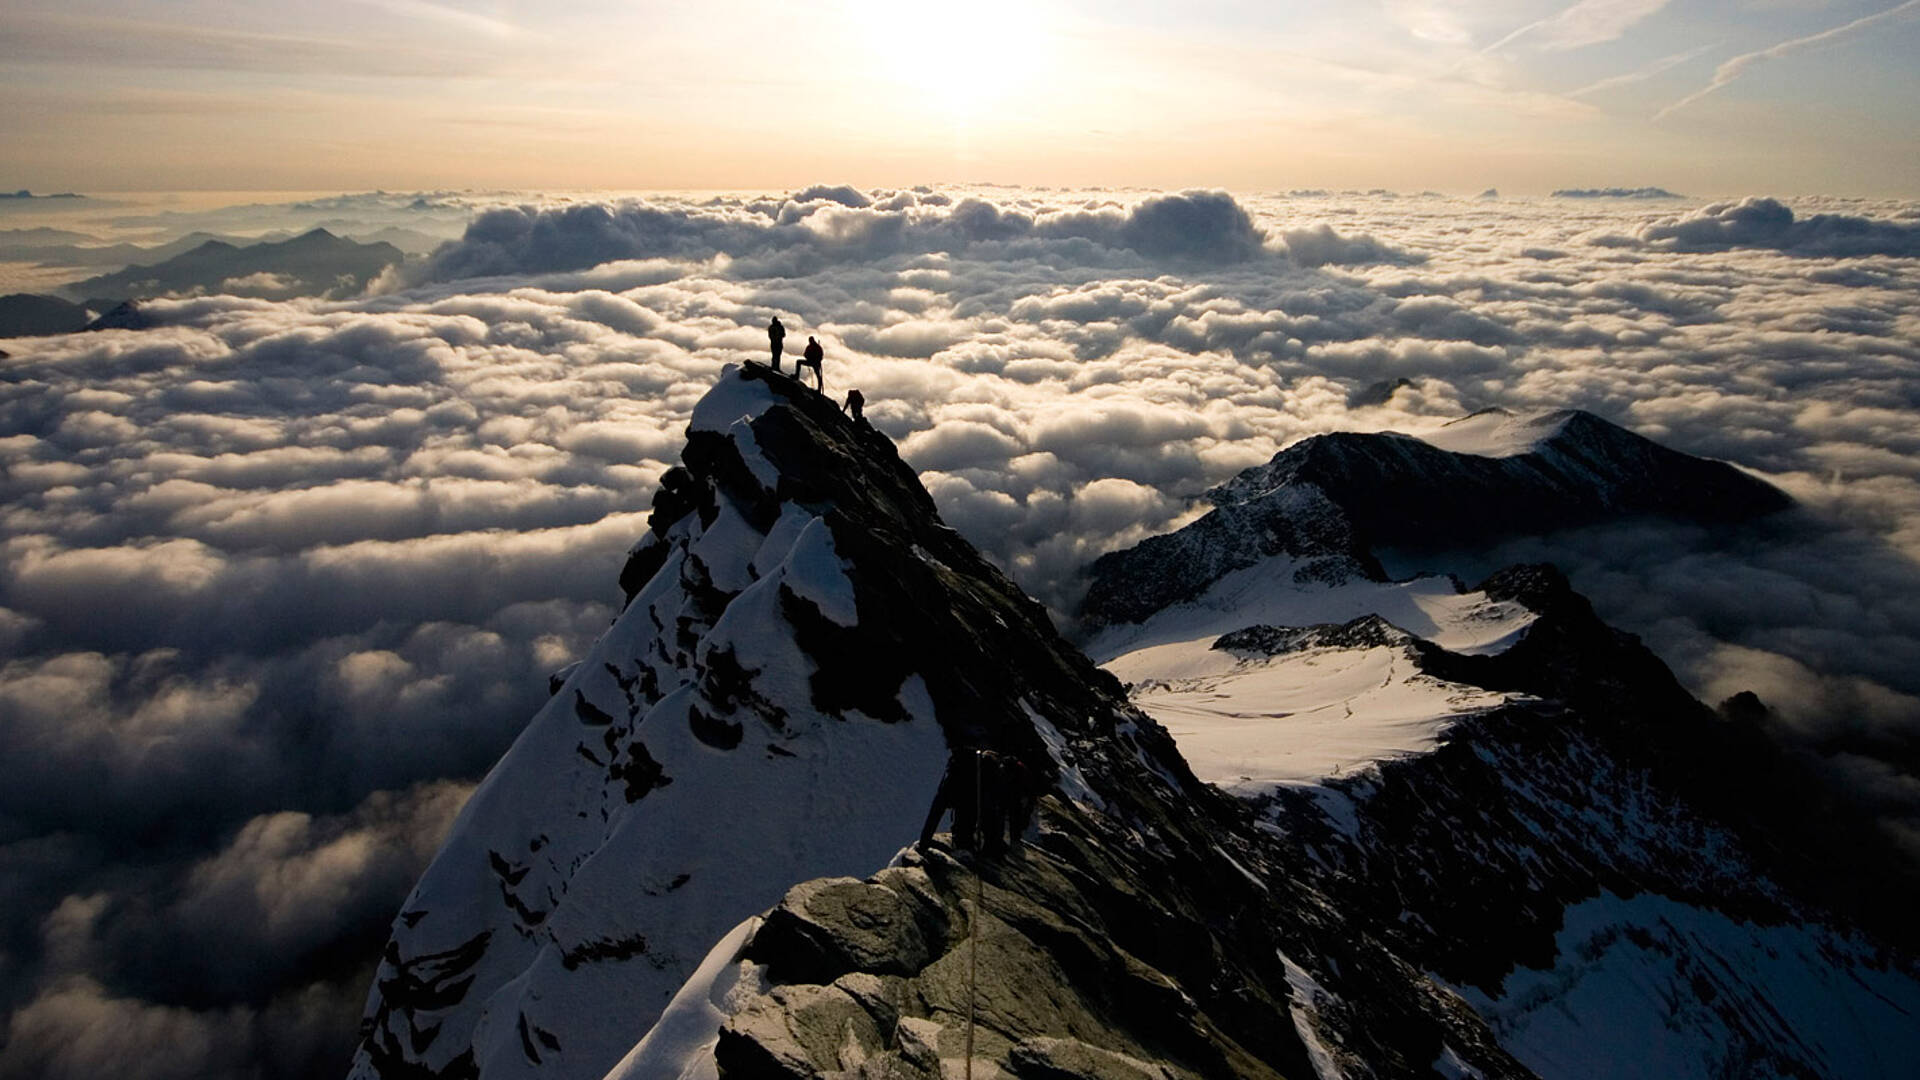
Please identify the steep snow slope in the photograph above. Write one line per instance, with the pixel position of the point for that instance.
(1701, 993)
(679, 780)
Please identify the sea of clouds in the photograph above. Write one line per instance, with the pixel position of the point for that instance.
(279, 580)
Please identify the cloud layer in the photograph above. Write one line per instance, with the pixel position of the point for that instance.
(1769, 223)
(279, 579)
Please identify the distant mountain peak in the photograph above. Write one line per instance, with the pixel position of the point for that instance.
(314, 263)
(1334, 500)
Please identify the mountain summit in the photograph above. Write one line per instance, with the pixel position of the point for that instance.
(695, 861)
(1333, 501)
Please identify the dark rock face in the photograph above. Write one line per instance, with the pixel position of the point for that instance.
(1402, 492)
(1299, 521)
(1365, 632)
(27, 315)
(127, 315)
(923, 593)
(1153, 924)
(1335, 499)
(419, 984)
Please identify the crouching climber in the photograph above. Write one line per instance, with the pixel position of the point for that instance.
(992, 797)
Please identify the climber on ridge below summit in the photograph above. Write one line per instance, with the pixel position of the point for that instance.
(992, 796)
(811, 359)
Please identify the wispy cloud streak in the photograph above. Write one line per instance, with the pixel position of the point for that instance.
(1588, 22)
(1739, 65)
(1644, 72)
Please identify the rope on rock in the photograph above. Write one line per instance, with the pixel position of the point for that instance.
(892, 1053)
(973, 924)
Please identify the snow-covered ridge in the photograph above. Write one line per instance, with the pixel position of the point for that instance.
(681, 778)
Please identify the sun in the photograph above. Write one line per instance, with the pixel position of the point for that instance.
(961, 61)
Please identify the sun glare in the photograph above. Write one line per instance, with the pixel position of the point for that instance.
(960, 61)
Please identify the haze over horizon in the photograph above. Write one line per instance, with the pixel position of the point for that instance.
(284, 571)
(1771, 97)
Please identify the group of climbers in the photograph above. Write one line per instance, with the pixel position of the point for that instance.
(810, 357)
(992, 795)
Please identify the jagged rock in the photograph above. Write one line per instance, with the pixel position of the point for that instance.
(825, 928)
(1043, 967)
(128, 315)
(31, 315)
(1299, 522)
(1745, 707)
(1365, 632)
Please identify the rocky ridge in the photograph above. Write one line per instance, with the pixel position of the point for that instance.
(694, 862)
(1335, 500)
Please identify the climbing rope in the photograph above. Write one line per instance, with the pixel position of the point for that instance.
(973, 923)
(891, 1054)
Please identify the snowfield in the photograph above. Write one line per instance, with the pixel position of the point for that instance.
(1247, 723)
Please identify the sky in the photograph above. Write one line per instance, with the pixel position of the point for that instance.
(1704, 97)
(279, 580)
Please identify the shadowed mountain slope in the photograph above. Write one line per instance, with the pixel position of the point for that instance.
(695, 861)
(1337, 498)
(315, 263)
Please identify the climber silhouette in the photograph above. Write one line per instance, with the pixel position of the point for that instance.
(992, 796)
(959, 791)
(811, 359)
(777, 336)
(1018, 790)
(856, 401)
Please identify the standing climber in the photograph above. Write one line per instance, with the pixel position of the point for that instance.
(811, 359)
(855, 402)
(959, 791)
(777, 336)
(1016, 794)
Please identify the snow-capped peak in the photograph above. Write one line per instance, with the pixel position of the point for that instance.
(1497, 433)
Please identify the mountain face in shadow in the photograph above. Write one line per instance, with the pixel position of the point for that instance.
(315, 263)
(1488, 477)
(29, 315)
(698, 860)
